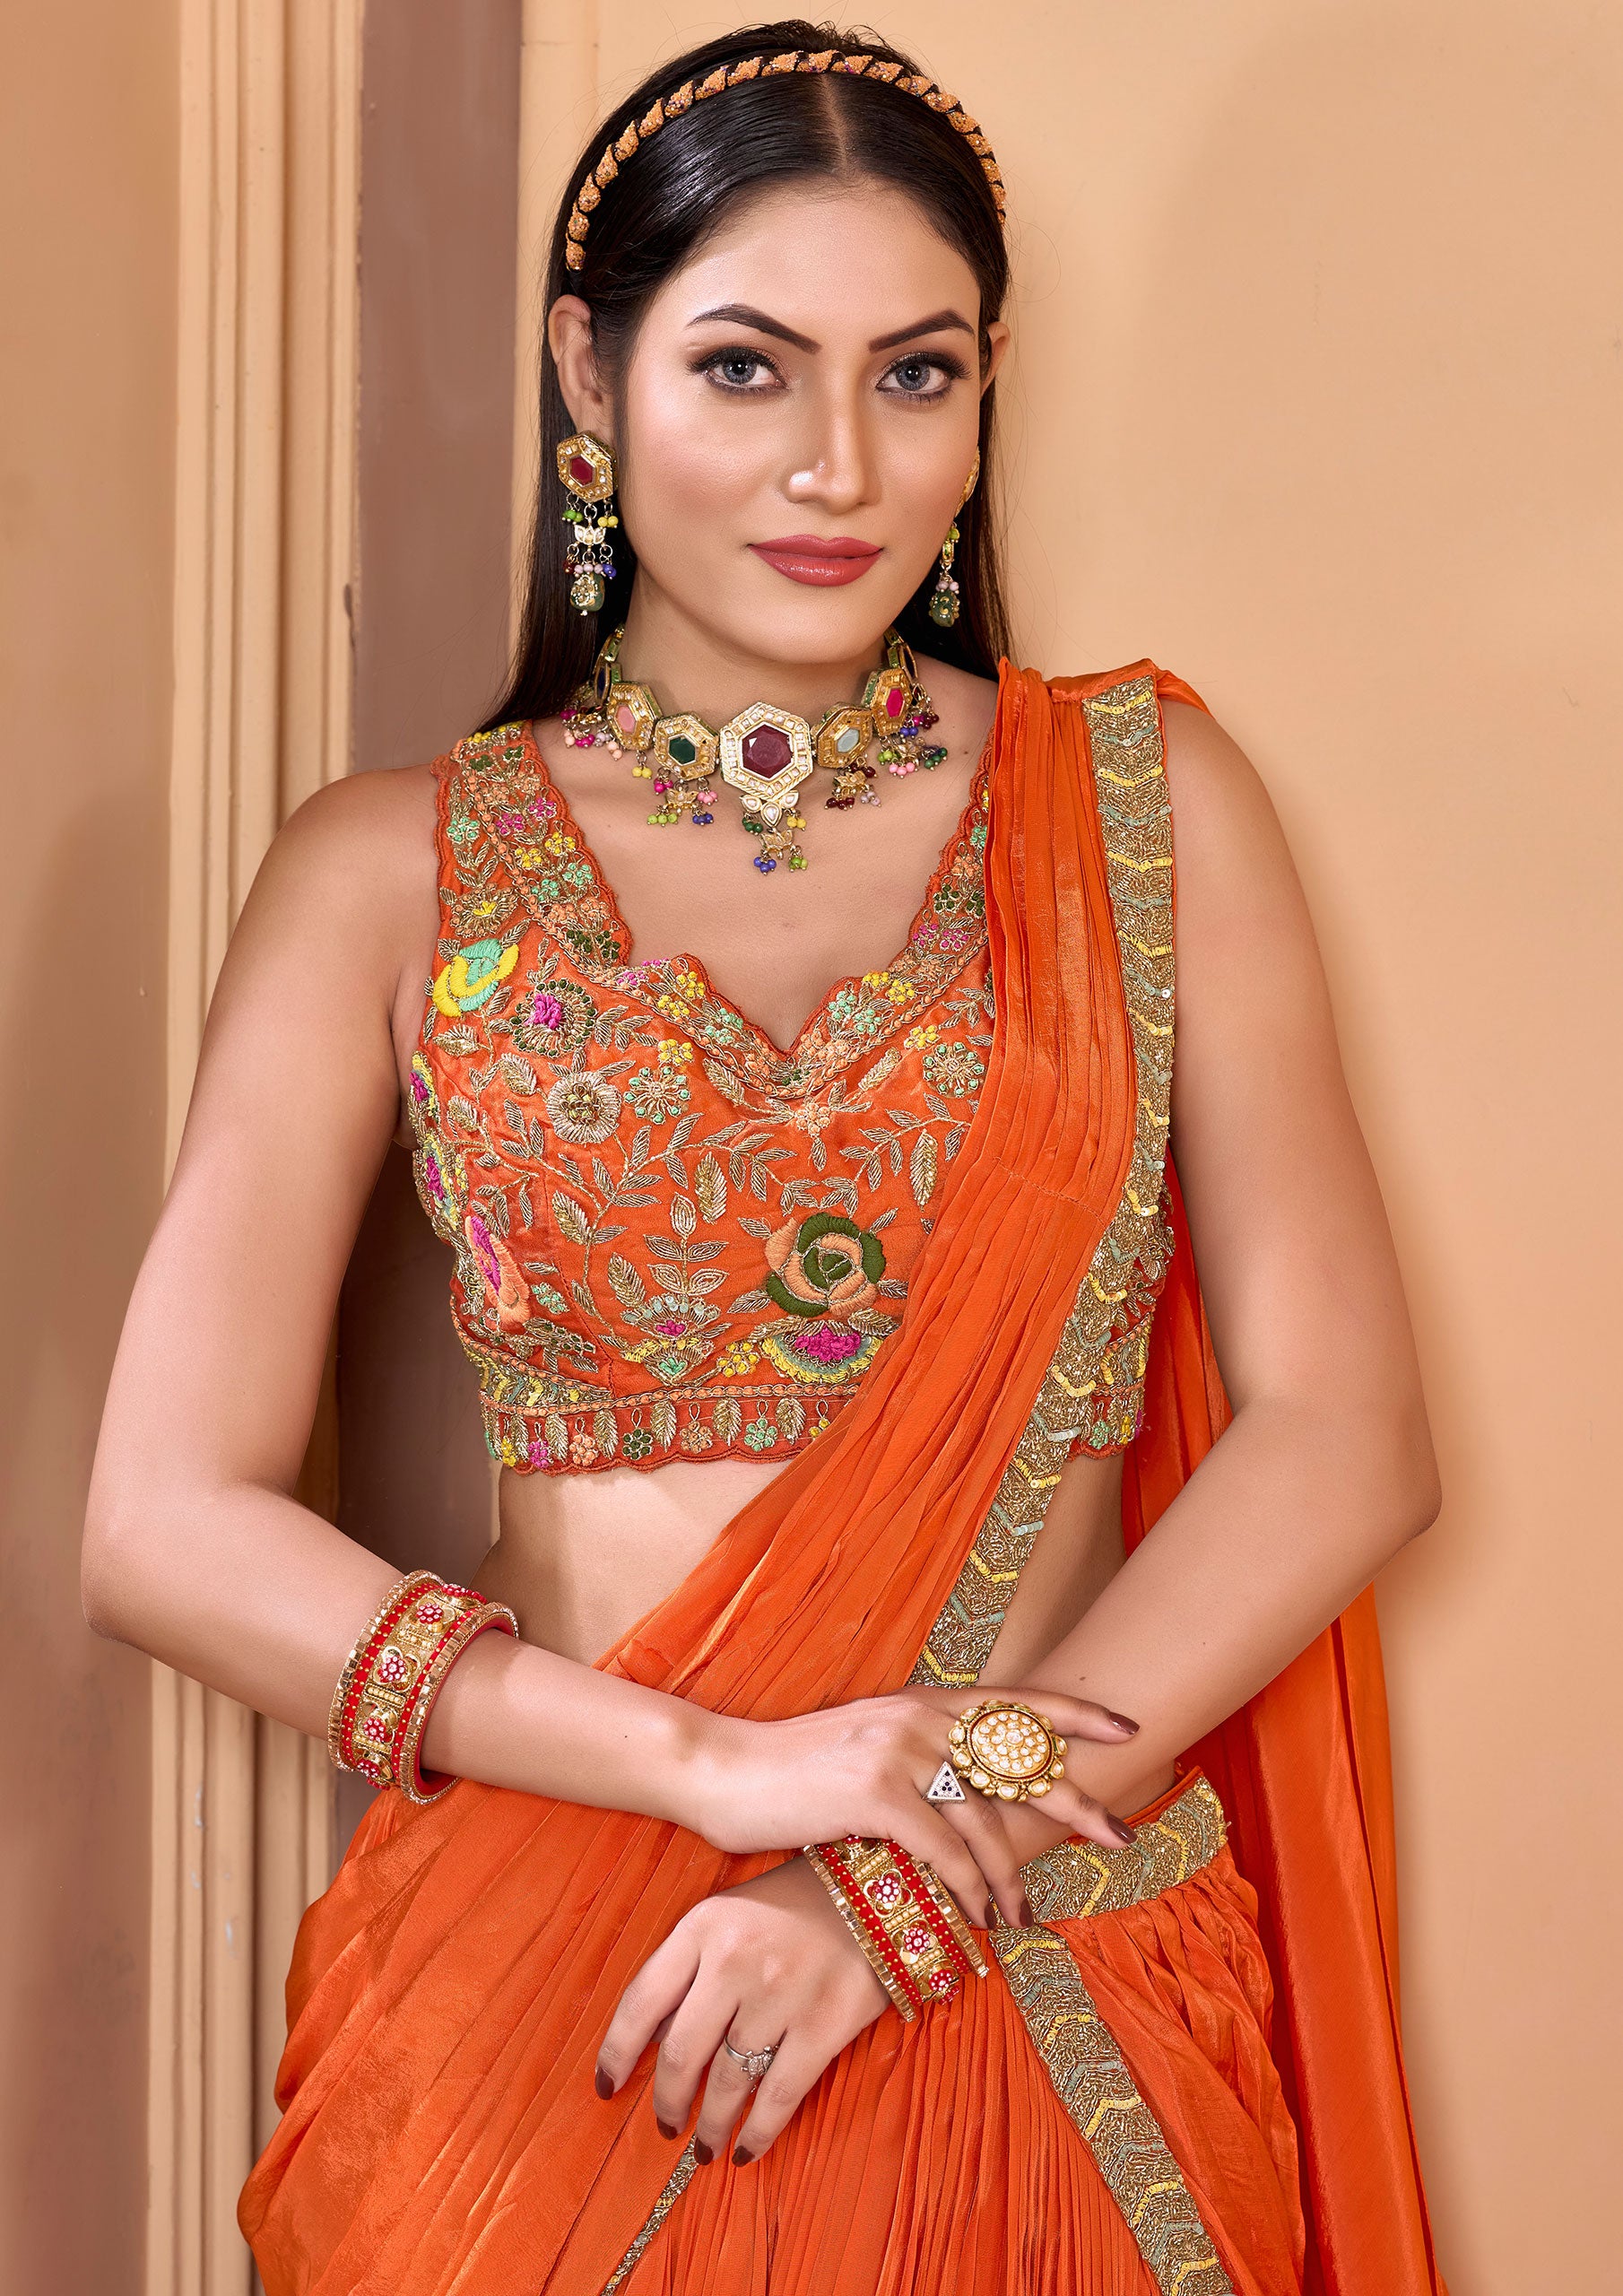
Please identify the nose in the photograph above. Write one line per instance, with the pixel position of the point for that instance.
(834, 464)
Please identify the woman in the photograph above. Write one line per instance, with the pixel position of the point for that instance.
(842, 1346)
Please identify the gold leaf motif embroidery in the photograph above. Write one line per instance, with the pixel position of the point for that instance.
(922, 1168)
(570, 1217)
(710, 1186)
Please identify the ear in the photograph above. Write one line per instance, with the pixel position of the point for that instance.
(998, 339)
(569, 341)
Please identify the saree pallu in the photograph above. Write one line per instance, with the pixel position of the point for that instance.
(1104, 2111)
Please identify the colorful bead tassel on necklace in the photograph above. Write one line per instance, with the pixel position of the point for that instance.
(764, 754)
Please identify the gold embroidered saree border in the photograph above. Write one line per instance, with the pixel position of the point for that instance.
(1077, 1879)
(675, 2185)
(1092, 2080)
(1130, 781)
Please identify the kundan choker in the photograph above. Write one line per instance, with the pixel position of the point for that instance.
(764, 754)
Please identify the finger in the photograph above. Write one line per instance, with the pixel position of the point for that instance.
(923, 1832)
(692, 2040)
(1072, 1717)
(980, 1823)
(653, 1994)
(800, 2062)
(728, 2089)
(1068, 1806)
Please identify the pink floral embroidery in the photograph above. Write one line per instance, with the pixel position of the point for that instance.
(827, 1345)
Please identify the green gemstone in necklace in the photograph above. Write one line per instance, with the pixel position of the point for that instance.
(764, 754)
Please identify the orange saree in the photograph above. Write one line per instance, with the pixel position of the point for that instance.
(1108, 2112)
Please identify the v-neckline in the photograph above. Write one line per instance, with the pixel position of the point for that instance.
(932, 953)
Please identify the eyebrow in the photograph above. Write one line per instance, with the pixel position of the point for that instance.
(746, 314)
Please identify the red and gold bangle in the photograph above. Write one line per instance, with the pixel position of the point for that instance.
(917, 1941)
(391, 1678)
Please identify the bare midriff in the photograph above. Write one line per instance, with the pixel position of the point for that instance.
(582, 1558)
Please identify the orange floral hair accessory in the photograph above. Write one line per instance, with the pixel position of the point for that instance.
(858, 64)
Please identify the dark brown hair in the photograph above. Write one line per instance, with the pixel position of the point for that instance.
(664, 201)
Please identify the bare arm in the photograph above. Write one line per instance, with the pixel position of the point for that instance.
(196, 1549)
(1328, 1466)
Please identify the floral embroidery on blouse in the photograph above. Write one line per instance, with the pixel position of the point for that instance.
(671, 1238)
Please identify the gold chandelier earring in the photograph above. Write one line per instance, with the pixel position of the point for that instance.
(585, 468)
(943, 598)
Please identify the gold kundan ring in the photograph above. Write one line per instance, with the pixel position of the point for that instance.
(1005, 1751)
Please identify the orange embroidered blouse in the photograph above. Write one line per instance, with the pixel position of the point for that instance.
(672, 1238)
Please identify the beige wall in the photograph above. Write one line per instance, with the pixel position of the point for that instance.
(88, 157)
(1315, 402)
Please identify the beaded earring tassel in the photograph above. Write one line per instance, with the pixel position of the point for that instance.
(943, 598)
(585, 469)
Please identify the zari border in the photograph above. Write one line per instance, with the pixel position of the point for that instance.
(1126, 750)
(676, 2184)
(1077, 1879)
(1092, 2080)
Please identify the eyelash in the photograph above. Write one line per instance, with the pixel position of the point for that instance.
(953, 369)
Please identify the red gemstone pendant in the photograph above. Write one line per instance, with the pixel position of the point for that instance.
(766, 750)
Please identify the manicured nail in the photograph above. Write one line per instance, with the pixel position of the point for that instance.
(701, 2152)
(601, 2083)
(1025, 1919)
(1122, 1721)
(741, 2159)
(1122, 1832)
(664, 2126)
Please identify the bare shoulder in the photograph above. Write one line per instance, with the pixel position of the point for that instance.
(341, 920)
(359, 855)
(1225, 832)
(378, 827)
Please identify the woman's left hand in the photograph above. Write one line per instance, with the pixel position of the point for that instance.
(767, 1963)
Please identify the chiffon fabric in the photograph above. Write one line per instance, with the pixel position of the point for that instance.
(449, 1991)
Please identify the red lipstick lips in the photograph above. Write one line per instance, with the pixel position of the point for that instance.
(822, 560)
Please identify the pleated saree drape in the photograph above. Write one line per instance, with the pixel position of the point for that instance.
(448, 1993)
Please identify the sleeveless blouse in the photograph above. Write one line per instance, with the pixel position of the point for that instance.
(672, 1238)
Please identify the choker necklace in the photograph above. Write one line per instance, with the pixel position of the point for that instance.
(764, 754)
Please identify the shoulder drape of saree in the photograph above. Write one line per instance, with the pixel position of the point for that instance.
(448, 1992)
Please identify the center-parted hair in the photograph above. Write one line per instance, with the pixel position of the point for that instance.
(677, 189)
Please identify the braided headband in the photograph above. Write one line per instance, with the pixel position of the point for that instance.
(760, 68)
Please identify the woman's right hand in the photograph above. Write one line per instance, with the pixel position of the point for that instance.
(863, 1768)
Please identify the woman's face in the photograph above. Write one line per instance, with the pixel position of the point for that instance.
(810, 377)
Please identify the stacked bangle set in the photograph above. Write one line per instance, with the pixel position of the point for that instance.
(911, 1936)
(393, 1676)
(910, 1932)
(917, 1941)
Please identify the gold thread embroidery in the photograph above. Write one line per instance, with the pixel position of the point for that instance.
(1091, 2079)
(1077, 1879)
(676, 2184)
(1094, 1387)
